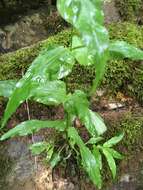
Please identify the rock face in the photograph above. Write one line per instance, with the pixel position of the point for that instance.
(111, 12)
(36, 26)
(11, 10)
(39, 24)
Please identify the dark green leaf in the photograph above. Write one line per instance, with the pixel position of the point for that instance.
(29, 127)
(121, 49)
(114, 140)
(88, 160)
(38, 148)
(97, 156)
(110, 160)
(6, 87)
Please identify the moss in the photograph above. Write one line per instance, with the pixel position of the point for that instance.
(125, 76)
(132, 126)
(130, 10)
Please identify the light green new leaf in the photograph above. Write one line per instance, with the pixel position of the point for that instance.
(77, 104)
(114, 140)
(89, 162)
(115, 154)
(121, 49)
(97, 156)
(94, 140)
(38, 148)
(32, 126)
(6, 87)
(110, 160)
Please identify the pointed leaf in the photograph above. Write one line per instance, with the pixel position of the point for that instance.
(89, 162)
(121, 49)
(94, 140)
(114, 140)
(49, 65)
(97, 156)
(111, 161)
(88, 18)
(77, 104)
(6, 87)
(29, 127)
(115, 154)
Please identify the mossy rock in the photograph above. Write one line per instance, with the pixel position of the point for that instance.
(125, 76)
(130, 10)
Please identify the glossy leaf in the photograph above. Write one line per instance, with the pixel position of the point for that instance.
(110, 160)
(77, 104)
(114, 140)
(88, 18)
(6, 87)
(38, 148)
(89, 162)
(50, 93)
(29, 127)
(81, 52)
(121, 49)
(49, 65)
(97, 156)
(94, 140)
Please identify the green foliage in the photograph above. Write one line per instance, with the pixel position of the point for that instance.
(43, 83)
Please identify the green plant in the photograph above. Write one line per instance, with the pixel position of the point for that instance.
(43, 83)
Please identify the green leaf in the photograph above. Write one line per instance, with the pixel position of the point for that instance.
(77, 104)
(88, 18)
(97, 156)
(121, 49)
(6, 87)
(50, 93)
(94, 140)
(110, 160)
(50, 152)
(50, 65)
(56, 158)
(114, 140)
(81, 52)
(115, 154)
(89, 162)
(32, 126)
(38, 148)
